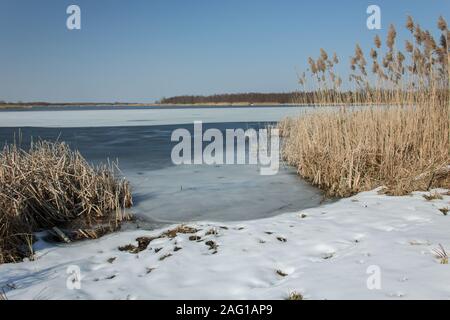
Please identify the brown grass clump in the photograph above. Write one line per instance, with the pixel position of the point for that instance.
(398, 136)
(49, 186)
(143, 242)
(294, 295)
(433, 196)
(183, 229)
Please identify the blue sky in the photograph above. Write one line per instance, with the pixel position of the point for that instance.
(142, 50)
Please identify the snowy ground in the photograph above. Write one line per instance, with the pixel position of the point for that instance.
(322, 253)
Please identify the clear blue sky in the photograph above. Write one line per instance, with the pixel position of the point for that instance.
(142, 50)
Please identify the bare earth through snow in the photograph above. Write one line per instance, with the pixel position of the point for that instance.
(322, 253)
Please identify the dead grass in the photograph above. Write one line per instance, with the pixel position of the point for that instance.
(212, 231)
(294, 295)
(441, 254)
(144, 242)
(281, 273)
(183, 229)
(51, 185)
(399, 139)
(212, 245)
(433, 196)
(3, 296)
(348, 152)
(164, 257)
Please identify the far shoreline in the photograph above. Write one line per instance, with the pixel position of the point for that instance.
(21, 106)
(30, 106)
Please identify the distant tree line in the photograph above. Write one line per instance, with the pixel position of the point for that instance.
(319, 97)
(251, 97)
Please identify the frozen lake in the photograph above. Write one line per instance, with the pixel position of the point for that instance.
(164, 193)
(70, 117)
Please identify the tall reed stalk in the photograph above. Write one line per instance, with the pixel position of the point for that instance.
(398, 137)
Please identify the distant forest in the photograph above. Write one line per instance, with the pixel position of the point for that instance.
(251, 97)
(321, 97)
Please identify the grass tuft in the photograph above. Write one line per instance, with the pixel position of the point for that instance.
(52, 186)
(433, 196)
(281, 273)
(294, 295)
(441, 254)
(3, 296)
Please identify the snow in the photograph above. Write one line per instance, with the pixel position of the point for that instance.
(145, 117)
(325, 253)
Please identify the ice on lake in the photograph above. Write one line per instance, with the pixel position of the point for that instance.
(165, 193)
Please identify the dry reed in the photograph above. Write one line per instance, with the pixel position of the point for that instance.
(400, 140)
(49, 186)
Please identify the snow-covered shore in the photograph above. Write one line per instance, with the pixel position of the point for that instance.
(322, 253)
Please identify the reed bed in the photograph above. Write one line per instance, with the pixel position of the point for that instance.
(391, 130)
(52, 186)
